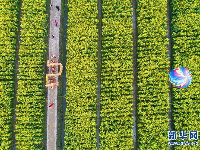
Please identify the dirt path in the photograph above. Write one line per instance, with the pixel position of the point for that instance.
(16, 73)
(52, 93)
(64, 52)
(134, 74)
(99, 69)
(170, 59)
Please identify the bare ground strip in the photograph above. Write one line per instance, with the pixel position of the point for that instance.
(134, 20)
(16, 73)
(170, 59)
(99, 68)
(64, 81)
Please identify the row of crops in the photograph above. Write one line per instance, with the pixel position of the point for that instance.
(153, 71)
(8, 44)
(116, 76)
(81, 73)
(30, 111)
(186, 52)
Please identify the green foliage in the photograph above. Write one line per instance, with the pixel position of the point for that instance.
(8, 32)
(30, 94)
(153, 64)
(186, 53)
(116, 130)
(81, 74)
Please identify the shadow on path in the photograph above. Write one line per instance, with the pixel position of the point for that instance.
(64, 69)
(99, 69)
(170, 59)
(134, 20)
(16, 73)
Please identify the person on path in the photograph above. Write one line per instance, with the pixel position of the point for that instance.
(53, 56)
(51, 80)
(52, 72)
(53, 61)
(53, 36)
(58, 8)
(56, 23)
(50, 5)
(51, 105)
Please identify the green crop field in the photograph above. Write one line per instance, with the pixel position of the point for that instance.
(115, 92)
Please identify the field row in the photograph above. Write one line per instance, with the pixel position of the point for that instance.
(116, 130)
(81, 74)
(186, 52)
(153, 64)
(8, 44)
(30, 111)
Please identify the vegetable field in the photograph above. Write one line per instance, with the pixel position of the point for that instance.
(153, 68)
(186, 52)
(116, 76)
(81, 74)
(30, 93)
(8, 45)
(104, 56)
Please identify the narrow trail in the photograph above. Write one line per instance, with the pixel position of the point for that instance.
(134, 20)
(16, 73)
(53, 93)
(170, 59)
(64, 70)
(99, 68)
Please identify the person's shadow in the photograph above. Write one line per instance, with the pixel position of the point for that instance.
(58, 8)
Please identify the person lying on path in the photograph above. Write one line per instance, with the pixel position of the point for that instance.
(53, 87)
(53, 61)
(58, 8)
(51, 80)
(51, 105)
(53, 56)
(56, 23)
(52, 72)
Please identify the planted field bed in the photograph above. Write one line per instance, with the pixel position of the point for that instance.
(8, 33)
(153, 75)
(81, 74)
(30, 124)
(116, 76)
(186, 52)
